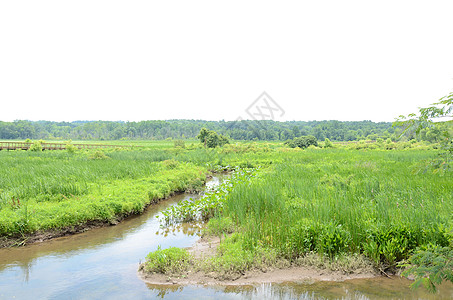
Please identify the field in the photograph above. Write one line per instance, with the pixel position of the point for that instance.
(365, 201)
(376, 204)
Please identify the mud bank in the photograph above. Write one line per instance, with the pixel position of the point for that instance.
(206, 247)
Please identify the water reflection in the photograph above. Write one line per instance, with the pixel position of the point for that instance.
(190, 229)
(360, 289)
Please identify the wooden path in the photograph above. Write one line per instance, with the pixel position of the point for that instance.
(50, 146)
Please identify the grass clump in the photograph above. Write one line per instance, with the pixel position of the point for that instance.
(170, 261)
(234, 258)
(219, 226)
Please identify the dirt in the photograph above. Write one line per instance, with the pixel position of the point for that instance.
(41, 236)
(207, 247)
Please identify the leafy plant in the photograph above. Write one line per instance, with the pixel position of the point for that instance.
(36, 146)
(430, 266)
(179, 144)
(211, 139)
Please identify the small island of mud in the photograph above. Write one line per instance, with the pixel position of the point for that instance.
(206, 247)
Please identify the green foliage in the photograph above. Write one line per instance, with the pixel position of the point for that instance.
(98, 154)
(211, 139)
(430, 265)
(175, 129)
(327, 143)
(302, 142)
(70, 147)
(170, 164)
(208, 206)
(179, 144)
(426, 116)
(424, 126)
(36, 146)
(220, 226)
(169, 261)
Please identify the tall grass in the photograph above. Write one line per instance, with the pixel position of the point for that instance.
(340, 201)
(57, 189)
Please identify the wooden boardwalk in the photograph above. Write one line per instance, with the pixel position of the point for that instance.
(51, 146)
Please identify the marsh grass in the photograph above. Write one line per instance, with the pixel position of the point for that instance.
(46, 190)
(170, 261)
(334, 202)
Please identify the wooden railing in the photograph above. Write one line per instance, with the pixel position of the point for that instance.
(51, 146)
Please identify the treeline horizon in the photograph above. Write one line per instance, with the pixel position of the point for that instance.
(188, 129)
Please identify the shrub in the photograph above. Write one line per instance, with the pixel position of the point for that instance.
(98, 155)
(70, 147)
(328, 143)
(36, 146)
(211, 139)
(179, 144)
(170, 163)
(302, 142)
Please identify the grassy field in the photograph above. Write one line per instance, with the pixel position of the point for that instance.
(334, 202)
(45, 190)
(377, 201)
(56, 189)
(374, 202)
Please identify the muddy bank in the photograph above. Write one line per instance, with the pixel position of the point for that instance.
(206, 247)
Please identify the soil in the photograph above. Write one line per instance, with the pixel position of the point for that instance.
(206, 247)
(41, 236)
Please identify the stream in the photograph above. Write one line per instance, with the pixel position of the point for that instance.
(102, 264)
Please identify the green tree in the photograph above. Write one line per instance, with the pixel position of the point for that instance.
(305, 141)
(203, 135)
(211, 139)
(427, 116)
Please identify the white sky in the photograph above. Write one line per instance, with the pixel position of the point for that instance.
(147, 60)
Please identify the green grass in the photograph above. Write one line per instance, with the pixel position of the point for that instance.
(168, 261)
(339, 201)
(56, 189)
(376, 204)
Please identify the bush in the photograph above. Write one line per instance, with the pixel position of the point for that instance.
(431, 266)
(170, 163)
(211, 139)
(179, 144)
(70, 147)
(98, 155)
(302, 142)
(36, 146)
(328, 143)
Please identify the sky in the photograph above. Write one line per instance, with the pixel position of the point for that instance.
(212, 60)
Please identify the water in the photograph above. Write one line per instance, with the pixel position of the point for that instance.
(103, 263)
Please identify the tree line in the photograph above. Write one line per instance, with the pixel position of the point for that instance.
(181, 129)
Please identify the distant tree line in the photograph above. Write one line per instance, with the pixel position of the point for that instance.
(181, 129)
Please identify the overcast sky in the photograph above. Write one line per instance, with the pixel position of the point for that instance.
(157, 60)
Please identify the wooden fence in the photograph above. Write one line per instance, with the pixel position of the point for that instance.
(50, 146)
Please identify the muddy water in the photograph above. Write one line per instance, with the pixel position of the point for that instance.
(102, 264)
